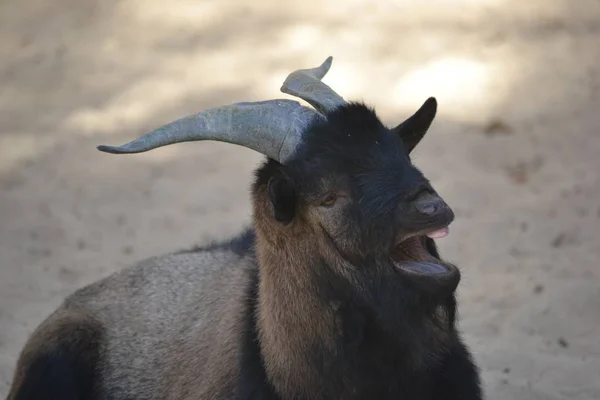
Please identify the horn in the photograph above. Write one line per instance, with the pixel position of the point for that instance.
(306, 84)
(273, 128)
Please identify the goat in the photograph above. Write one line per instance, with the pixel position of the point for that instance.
(337, 291)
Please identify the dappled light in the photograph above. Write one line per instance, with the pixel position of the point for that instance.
(514, 150)
(461, 85)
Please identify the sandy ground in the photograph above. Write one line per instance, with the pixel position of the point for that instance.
(515, 150)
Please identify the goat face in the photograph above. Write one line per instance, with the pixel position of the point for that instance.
(351, 186)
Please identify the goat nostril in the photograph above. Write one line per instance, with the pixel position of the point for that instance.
(427, 207)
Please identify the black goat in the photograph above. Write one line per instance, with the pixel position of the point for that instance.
(337, 291)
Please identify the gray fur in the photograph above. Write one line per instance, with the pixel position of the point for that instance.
(157, 325)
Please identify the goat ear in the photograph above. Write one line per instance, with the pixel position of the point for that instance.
(282, 196)
(414, 128)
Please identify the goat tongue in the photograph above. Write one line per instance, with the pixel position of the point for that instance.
(438, 234)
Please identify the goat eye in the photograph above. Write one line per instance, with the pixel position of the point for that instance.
(329, 200)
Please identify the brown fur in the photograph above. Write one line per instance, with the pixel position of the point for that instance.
(293, 319)
(65, 330)
(306, 307)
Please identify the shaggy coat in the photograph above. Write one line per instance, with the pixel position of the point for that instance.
(335, 292)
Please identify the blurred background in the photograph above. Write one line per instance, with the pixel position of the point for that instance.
(515, 150)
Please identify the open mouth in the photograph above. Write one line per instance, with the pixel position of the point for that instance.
(411, 256)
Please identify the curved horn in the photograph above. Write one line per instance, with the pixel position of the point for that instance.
(306, 84)
(273, 128)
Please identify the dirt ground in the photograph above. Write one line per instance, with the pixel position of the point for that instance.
(515, 150)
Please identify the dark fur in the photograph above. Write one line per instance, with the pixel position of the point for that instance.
(63, 365)
(394, 341)
(253, 383)
(61, 374)
(323, 316)
(240, 245)
(376, 358)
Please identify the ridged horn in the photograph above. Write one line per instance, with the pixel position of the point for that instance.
(307, 85)
(273, 128)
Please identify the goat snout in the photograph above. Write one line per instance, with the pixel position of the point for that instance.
(429, 205)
